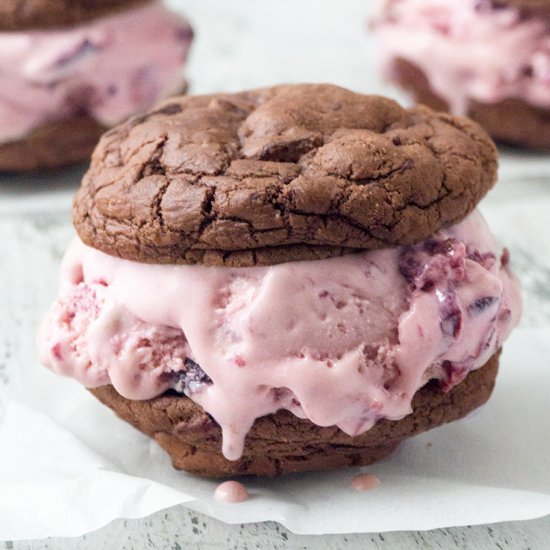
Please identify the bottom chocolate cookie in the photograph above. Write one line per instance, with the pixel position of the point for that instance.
(282, 443)
(511, 121)
(53, 145)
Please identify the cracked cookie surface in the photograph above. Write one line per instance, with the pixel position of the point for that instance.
(296, 172)
(18, 15)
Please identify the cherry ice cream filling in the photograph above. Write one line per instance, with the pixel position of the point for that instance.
(345, 341)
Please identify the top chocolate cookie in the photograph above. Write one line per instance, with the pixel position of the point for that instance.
(18, 15)
(285, 173)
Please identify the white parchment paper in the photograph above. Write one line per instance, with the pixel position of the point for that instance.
(69, 466)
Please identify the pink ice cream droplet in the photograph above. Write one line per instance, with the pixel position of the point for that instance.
(231, 492)
(365, 482)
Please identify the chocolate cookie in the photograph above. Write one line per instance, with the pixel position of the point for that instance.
(283, 443)
(279, 174)
(53, 145)
(17, 15)
(512, 121)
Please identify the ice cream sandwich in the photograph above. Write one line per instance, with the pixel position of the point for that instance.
(486, 59)
(286, 279)
(70, 69)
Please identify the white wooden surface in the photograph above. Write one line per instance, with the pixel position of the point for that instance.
(240, 44)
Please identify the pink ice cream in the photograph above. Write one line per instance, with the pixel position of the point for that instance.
(110, 68)
(344, 341)
(469, 49)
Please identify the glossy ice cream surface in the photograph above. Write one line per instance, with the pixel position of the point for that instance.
(344, 341)
(110, 69)
(469, 49)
